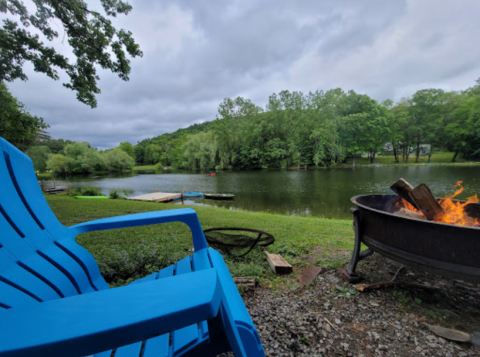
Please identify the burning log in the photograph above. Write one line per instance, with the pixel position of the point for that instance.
(403, 189)
(426, 203)
(420, 198)
(410, 214)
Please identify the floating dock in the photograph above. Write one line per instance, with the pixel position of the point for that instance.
(157, 197)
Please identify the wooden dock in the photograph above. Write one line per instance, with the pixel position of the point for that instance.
(157, 197)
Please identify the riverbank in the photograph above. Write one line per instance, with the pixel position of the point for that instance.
(438, 158)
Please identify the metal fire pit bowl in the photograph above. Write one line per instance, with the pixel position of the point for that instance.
(448, 250)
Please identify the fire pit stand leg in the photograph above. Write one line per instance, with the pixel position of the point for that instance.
(349, 271)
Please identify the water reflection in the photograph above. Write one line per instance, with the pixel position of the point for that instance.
(323, 193)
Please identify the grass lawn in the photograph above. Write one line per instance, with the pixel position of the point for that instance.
(145, 168)
(438, 158)
(130, 253)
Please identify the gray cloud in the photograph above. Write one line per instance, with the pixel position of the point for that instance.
(195, 55)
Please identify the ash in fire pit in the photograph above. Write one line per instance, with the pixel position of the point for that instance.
(410, 228)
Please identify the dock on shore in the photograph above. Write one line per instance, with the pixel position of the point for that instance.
(157, 197)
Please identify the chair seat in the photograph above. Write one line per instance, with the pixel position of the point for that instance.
(180, 341)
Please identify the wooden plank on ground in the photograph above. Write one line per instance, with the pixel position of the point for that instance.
(309, 274)
(246, 283)
(278, 264)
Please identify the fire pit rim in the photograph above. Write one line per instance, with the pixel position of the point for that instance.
(354, 201)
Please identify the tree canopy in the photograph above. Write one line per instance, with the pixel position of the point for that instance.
(91, 35)
(17, 125)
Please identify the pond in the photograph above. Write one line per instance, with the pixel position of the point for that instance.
(321, 193)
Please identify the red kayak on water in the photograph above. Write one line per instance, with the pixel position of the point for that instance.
(211, 174)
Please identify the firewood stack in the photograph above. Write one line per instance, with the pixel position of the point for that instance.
(419, 197)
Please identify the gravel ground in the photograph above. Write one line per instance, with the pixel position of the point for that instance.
(330, 318)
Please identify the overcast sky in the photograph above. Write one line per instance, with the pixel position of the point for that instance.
(196, 53)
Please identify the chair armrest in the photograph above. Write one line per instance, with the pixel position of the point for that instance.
(185, 215)
(85, 324)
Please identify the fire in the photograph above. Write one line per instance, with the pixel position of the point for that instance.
(454, 211)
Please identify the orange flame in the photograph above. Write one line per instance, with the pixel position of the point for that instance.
(454, 211)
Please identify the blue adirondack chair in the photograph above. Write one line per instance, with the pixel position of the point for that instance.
(54, 302)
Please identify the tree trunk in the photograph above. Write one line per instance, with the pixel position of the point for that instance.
(395, 153)
(430, 154)
(456, 153)
(407, 155)
(353, 161)
(372, 157)
(418, 147)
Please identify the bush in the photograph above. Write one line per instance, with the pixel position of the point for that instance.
(85, 191)
(114, 194)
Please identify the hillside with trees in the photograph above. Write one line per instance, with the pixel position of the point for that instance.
(320, 129)
(325, 128)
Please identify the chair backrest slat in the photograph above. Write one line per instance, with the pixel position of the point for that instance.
(21, 279)
(23, 176)
(38, 245)
(12, 297)
(26, 257)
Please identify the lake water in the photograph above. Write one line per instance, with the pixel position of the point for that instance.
(321, 193)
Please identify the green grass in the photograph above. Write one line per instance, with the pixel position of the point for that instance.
(127, 254)
(145, 168)
(438, 158)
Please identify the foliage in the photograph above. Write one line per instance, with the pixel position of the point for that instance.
(325, 128)
(82, 158)
(128, 148)
(39, 157)
(58, 164)
(91, 36)
(153, 153)
(169, 146)
(17, 125)
(55, 145)
(117, 160)
(85, 191)
(322, 128)
(114, 194)
(139, 152)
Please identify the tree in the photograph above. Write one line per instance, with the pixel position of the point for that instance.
(17, 125)
(39, 157)
(91, 36)
(462, 131)
(128, 148)
(152, 154)
(58, 164)
(118, 160)
(139, 152)
(55, 145)
(426, 116)
(82, 158)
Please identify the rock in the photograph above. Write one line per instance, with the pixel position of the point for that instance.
(475, 337)
(450, 334)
